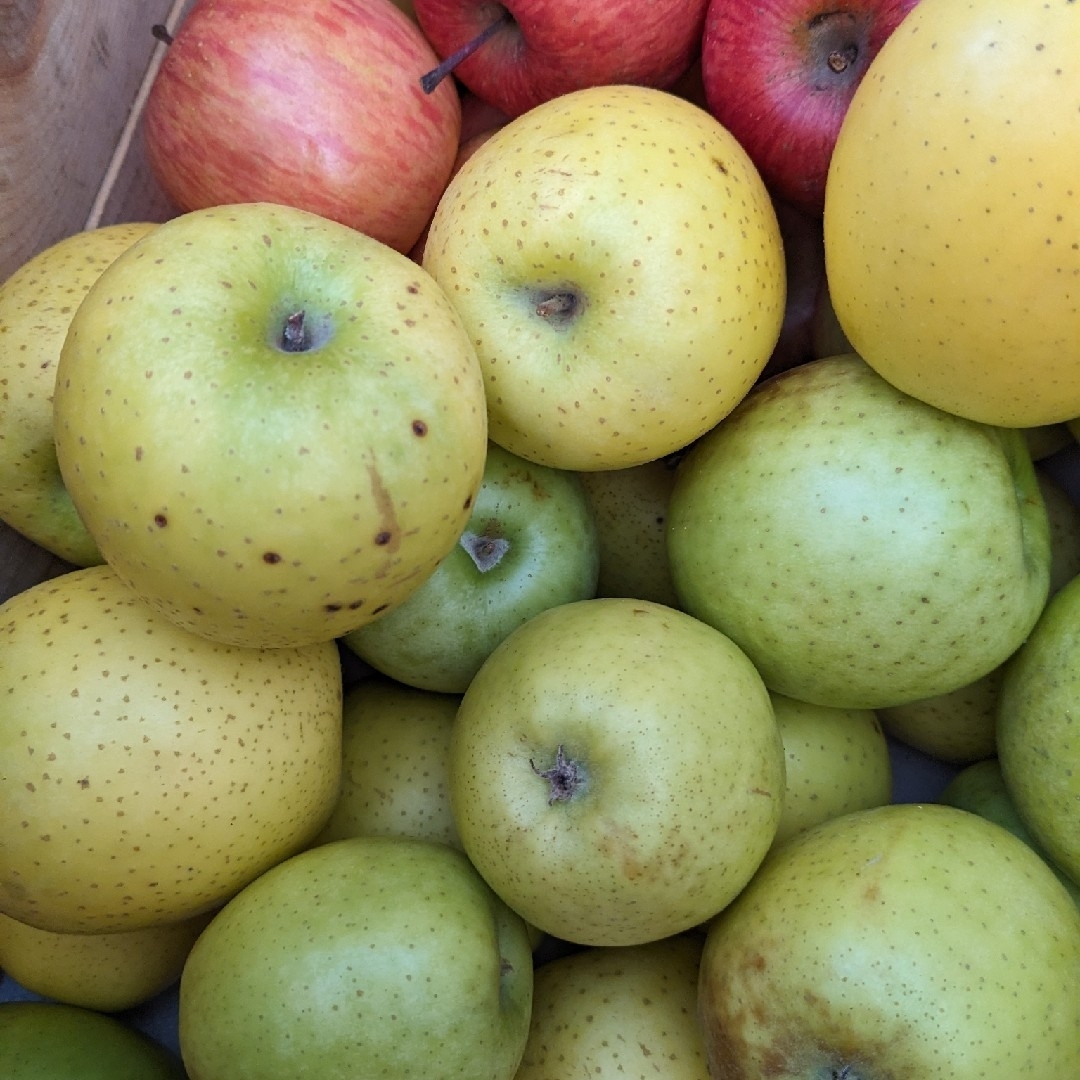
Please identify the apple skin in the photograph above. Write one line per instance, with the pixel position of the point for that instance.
(780, 74)
(37, 303)
(308, 104)
(548, 50)
(1037, 740)
(255, 495)
(910, 940)
(676, 792)
(530, 544)
(947, 273)
(610, 337)
(372, 956)
(864, 549)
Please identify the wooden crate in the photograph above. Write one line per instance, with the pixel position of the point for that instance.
(73, 78)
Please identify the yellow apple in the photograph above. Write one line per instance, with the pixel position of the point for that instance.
(951, 236)
(618, 264)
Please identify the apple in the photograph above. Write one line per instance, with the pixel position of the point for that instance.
(1064, 517)
(780, 75)
(837, 761)
(305, 103)
(108, 972)
(37, 303)
(530, 544)
(372, 956)
(616, 772)
(395, 750)
(531, 51)
(618, 1011)
(147, 773)
(1037, 740)
(950, 239)
(630, 509)
(272, 425)
(911, 940)
(980, 789)
(42, 1040)
(863, 548)
(618, 265)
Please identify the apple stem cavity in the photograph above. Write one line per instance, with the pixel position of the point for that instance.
(432, 79)
(558, 308)
(835, 35)
(564, 777)
(485, 551)
(294, 334)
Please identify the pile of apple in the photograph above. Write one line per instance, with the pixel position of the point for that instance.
(509, 504)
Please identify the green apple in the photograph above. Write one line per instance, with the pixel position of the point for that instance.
(367, 957)
(910, 940)
(107, 972)
(37, 304)
(980, 788)
(530, 544)
(618, 1013)
(148, 773)
(272, 425)
(1038, 740)
(837, 760)
(617, 261)
(864, 549)
(1064, 517)
(616, 772)
(395, 749)
(630, 507)
(42, 1040)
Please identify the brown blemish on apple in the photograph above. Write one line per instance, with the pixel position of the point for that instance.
(389, 535)
(271, 558)
(419, 428)
(160, 520)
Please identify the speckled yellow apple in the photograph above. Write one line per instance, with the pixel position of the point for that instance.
(108, 972)
(617, 262)
(910, 940)
(618, 1013)
(37, 304)
(148, 773)
(272, 425)
(837, 760)
(950, 221)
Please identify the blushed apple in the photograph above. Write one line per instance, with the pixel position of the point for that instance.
(618, 265)
(272, 425)
(910, 940)
(616, 772)
(863, 548)
(530, 544)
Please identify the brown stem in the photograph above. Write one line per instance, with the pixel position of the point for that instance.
(432, 79)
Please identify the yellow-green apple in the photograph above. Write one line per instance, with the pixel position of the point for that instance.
(305, 103)
(1064, 517)
(624, 1012)
(272, 425)
(109, 972)
(523, 53)
(395, 750)
(863, 548)
(36, 307)
(147, 773)
(530, 544)
(910, 940)
(780, 76)
(1038, 742)
(949, 231)
(617, 262)
(47, 1040)
(616, 772)
(371, 956)
(837, 760)
(630, 509)
(980, 789)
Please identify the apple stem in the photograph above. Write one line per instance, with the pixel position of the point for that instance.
(564, 777)
(432, 79)
(160, 32)
(294, 336)
(558, 304)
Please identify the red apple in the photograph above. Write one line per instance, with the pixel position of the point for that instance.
(312, 103)
(779, 75)
(541, 49)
